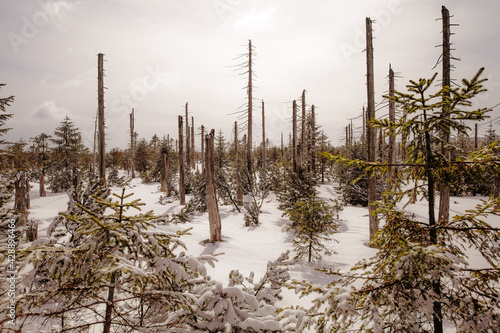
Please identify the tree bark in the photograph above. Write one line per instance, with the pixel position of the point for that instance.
(371, 131)
(239, 190)
(212, 206)
(444, 189)
(392, 118)
(102, 140)
(132, 145)
(303, 132)
(192, 144)
(182, 189)
(264, 157)
(294, 137)
(109, 305)
(250, 100)
(163, 180)
(22, 196)
(313, 139)
(187, 154)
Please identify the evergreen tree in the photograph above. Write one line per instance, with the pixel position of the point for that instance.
(66, 155)
(4, 102)
(115, 271)
(421, 277)
(313, 224)
(6, 180)
(143, 159)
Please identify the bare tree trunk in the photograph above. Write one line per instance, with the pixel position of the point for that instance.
(109, 305)
(239, 190)
(496, 188)
(202, 154)
(22, 196)
(250, 100)
(213, 208)
(313, 139)
(43, 192)
(32, 230)
(371, 131)
(299, 159)
(100, 94)
(392, 118)
(187, 157)
(182, 189)
(444, 189)
(163, 180)
(264, 164)
(303, 133)
(475, 136)
(294, 137)
(192, 144)
(132, 145)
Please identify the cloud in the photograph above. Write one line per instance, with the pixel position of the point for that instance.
(256, 21)
(49, 110)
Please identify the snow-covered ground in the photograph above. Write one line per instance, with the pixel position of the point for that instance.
(250, 248)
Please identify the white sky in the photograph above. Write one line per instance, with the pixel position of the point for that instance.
(162, 54)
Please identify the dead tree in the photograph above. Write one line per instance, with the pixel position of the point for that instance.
(303, 133)
(41, 141)
(22, 196)
(313, 139)
(250, 100)
(294, 137)
(202, 153)
(132, 144)
(100, 97)
(188, 155)
(164, 170)
(392, 118)
(182, 188)
(264, 166)
(239, 190)
(371, 131)
(192, 144)
(444, 189)
(212, 206)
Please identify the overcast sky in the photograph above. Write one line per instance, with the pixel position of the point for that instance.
(161, 54)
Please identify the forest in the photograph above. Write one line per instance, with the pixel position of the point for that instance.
(397, 229)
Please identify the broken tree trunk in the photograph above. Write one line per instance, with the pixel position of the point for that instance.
(192, 144)
(239, 190)
(294, 137)
(163, 180)
(313, 139)
(132, 145)
(371, 131)
(444, 189)
(100, 95)
(212, 206)
(392, 118)
(187, 154)
(250, 103)
(22, 196)
(264, 165)
(182, 189)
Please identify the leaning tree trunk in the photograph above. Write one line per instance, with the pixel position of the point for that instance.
(213, 208)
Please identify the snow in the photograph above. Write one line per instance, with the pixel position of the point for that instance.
(249, 249)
